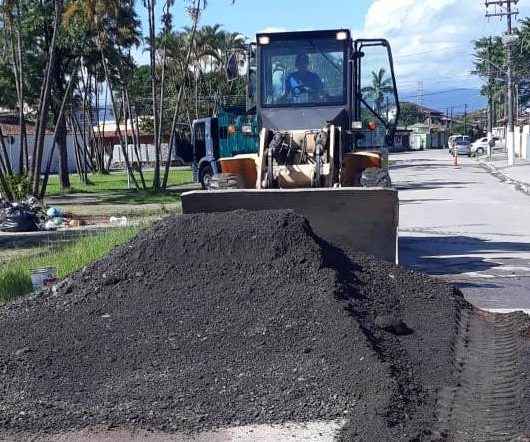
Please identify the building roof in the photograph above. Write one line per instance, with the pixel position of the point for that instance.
(425, 110)
(14, 129)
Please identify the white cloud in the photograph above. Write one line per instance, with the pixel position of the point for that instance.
(431, 39)
(272, 30)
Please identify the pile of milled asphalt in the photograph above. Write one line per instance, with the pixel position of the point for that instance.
(216, 320)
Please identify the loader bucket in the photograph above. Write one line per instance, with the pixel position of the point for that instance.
(357, 219)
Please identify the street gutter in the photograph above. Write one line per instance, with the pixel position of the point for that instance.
(521, 186)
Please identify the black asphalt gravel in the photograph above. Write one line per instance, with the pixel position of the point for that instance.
(216, 320)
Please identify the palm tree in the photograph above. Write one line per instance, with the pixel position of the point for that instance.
(194, 10)
(44, 102)
(12, 12)
(114, 27)
(380, 86)
(208, 43)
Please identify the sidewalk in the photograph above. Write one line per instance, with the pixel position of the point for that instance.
(517, 175)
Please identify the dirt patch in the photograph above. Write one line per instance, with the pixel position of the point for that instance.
(223, 320)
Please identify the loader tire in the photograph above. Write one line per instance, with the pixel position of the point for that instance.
(223, 181)
(375, 177)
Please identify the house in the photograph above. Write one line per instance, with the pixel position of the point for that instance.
(427, 136)
(412, 113)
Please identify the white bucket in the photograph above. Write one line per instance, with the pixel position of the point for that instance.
(43, 277)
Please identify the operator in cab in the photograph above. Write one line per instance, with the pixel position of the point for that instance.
(303, 80)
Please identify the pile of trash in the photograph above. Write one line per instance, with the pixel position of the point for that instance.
(29, 215)
(25, 216)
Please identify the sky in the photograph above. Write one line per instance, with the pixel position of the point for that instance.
(431, 39)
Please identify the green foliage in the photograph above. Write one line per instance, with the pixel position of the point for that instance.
(490, 63)
(380, 87)
(19, 185)
(15, 274)
(32, 21)
(410, 114)
(139, 85)
(204, 78)
(8, 97)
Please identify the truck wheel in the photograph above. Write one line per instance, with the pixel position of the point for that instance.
(222, 181)
(205, 176)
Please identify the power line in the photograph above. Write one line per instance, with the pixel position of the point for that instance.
(439, 92)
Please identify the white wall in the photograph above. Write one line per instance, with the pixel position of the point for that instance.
(525, 143)
(517, 140)
(146, 152)
(13, 150)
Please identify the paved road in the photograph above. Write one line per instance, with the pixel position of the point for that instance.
(461, 224)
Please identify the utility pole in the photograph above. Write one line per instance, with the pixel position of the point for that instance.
(465, 119)
(516, 103)
(503, 8)
(419, 95)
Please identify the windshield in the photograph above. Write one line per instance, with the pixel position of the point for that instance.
(303, 72)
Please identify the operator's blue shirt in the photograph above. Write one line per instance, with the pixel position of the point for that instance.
(303, 78)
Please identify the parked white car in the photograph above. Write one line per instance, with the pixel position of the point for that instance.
(480, 146)
(462, 147)
(454, 139)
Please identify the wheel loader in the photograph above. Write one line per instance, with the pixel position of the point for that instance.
(321, 111)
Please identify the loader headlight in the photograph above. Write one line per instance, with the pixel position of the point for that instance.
(372, 125)
(232, 129)
(342, 35)
(264, 40)
(246, 129)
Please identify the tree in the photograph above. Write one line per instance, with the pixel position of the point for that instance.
(113, 27)
(379, 88)
(490, 64)
(139, 83)
(64, 58)
(410, 114)
(194, 10)
(44, 103)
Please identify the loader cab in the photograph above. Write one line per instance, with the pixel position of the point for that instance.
(303, 79)
(306, 80)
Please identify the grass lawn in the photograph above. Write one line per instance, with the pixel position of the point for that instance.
(15, 275)
(115, 181)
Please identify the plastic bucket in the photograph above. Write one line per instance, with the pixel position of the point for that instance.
(43, 277)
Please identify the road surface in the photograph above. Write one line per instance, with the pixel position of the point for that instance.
(463, 225)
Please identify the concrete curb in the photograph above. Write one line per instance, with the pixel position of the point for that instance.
(521, 186)
(39, 238)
